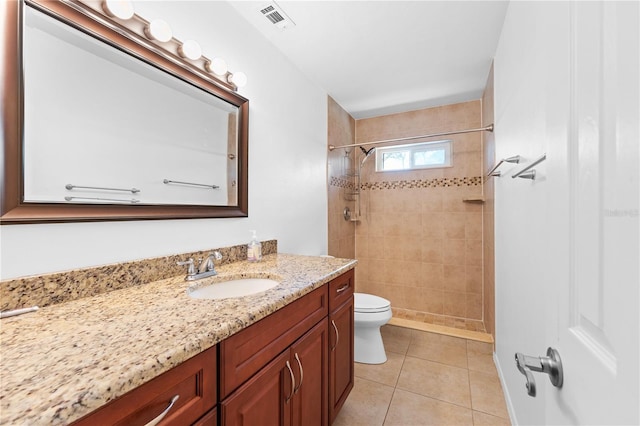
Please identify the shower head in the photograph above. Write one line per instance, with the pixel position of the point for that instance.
(367, 152)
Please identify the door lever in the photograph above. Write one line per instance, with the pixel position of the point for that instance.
(550, 364)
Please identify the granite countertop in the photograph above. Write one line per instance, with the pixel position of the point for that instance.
(66, 360)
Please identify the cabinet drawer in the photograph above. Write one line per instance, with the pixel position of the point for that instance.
(245, 353)
(194, 381)
(340, 290)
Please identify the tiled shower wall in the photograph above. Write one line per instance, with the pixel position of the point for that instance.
(341, 131)
(419, 240)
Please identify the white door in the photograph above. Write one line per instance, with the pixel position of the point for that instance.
(593, 185)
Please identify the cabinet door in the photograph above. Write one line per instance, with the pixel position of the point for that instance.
(341, 367)
(264, 399)
(209, 419)
(309, 358)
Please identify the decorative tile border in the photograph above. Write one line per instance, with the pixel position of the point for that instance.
(409, 184)
(61, 287)
(423, 183)
(341, 182)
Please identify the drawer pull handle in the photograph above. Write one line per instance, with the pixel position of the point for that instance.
(301, 373)
(333, 323)
(293, 383)
(343, 288)
(164, 413)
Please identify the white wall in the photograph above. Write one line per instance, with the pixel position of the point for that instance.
(287, 163)
(523, 100)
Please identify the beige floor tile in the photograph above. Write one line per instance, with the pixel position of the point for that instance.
(435, 380)
(411, 409)
(483, 419)
(396, 339)
(480, 357)
(481, 362)
(431, 387)
(438, 347)
(486, 393)
(386, 374)
(367, 404)
(479, 347)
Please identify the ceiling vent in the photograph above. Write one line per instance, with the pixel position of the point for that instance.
(276, 16)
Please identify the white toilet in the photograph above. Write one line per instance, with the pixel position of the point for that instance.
(370, 313)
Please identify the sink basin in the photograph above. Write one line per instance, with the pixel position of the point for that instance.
(233, 288)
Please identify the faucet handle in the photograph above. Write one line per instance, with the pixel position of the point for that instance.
(217, 255)
(192, 268)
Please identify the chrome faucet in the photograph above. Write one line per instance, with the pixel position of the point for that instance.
(206, 268)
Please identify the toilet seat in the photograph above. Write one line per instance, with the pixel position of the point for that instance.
(368, 303)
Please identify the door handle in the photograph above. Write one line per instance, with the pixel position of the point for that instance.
(550, 364)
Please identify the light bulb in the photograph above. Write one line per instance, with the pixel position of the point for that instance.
(217, 66)
(238, 78)
(158, 29)
(190, 49)
(122, 9)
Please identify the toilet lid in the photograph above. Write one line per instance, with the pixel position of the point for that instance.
(370, 303)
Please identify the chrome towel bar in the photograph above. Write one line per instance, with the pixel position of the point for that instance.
(167, 182)
(116, 200)
(493, 172)
(132, 190)
(527, 172)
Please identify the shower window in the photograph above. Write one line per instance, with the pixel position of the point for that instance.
(424, 155)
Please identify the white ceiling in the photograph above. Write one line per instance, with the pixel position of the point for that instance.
(381, 57)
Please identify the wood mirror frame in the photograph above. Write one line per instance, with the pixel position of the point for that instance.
(13, 210)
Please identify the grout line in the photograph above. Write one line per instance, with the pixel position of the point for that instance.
(395, 386)
(440, 400)
(386, 413)
(469, 380)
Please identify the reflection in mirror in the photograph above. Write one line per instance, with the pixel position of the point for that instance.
(108, 128)
(139, 127)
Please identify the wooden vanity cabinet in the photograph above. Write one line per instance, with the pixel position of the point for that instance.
(291, 389)
(341, 329)
(292, 368)
(194, 381)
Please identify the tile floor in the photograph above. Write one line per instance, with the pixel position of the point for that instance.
(428, 379)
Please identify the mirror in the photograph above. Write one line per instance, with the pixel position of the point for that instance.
(110, 130)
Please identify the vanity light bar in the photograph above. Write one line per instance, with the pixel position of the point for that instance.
(157, 36)
(122, 9)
